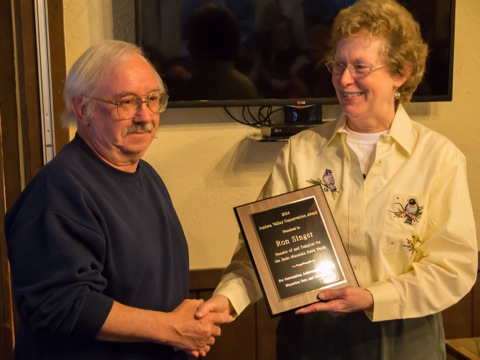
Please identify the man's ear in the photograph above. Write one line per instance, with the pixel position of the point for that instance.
(78, 106)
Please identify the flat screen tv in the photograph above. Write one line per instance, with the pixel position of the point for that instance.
(222, 60)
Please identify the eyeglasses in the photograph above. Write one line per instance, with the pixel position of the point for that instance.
(130, 105)
(357, 70)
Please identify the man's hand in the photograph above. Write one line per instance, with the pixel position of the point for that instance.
(340, 301)
(178, 328)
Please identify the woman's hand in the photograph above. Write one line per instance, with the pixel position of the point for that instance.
(216, 304)
(340, 301)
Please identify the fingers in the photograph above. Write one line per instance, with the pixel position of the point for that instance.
(193, 302)
(196, 354)
(307, 309)
(204, 352)
(192, 353)
(202, 331)
(189, 305)
(341, 301)
(211, 340)
(221, 319)
(327, 295)
(200, 322)
(217, 331)
(329, 302)
(217, 304)
(204, 349)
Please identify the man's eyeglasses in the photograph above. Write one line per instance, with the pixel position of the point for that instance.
(357, 70)
(128, 106)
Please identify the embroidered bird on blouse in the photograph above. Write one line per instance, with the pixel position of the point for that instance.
(411, 210)
(328, 180)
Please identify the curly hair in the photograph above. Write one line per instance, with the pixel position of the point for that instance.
(404, 51)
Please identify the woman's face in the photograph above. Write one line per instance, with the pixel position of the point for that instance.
(369, 99)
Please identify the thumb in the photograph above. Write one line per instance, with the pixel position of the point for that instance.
(326, 295)
(202, 311)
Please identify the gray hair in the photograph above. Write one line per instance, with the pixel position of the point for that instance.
(91, 68)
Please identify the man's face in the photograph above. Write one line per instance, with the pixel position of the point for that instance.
(122, 142)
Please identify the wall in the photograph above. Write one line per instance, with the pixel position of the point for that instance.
(211, 164)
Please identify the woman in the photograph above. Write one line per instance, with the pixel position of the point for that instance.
(400, 201)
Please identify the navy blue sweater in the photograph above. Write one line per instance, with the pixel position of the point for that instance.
(81, 235)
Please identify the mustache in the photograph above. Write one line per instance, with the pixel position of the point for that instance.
(147, 127)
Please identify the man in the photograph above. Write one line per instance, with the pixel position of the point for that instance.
(98, 256)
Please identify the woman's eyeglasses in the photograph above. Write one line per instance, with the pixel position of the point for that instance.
(357, 70)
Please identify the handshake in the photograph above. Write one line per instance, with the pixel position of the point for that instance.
(195, 324)
(191, 327)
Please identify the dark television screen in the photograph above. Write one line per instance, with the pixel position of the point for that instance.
(234, 60)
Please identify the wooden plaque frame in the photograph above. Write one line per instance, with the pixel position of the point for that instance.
(295, 247)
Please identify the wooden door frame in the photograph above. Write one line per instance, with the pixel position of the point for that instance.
(21, 149)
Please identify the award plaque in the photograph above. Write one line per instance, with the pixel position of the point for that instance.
(295, 248)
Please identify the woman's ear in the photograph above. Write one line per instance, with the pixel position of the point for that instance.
(78, 106)
(400, 80)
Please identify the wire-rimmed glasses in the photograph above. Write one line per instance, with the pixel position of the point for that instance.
(128, 106)
(357, 70)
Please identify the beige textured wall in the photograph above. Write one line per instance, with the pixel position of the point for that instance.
(86, 21)
(210, 163)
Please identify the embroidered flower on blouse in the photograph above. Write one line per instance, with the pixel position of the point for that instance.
(328, 183)
(413, 244)
(411, 212)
